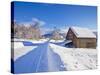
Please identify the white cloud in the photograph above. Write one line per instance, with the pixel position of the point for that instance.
(35, 20)
(42, 23)
(64, 29)
(39, 21)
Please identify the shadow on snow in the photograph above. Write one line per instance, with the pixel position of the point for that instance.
(40, 59)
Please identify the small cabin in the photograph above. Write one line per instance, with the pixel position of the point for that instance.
(81, 37)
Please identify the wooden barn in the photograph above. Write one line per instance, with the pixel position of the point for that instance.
(81, 37)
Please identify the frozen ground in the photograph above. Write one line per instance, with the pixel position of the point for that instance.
(72, 58)
(40, 59)
(76, 58)
(19, 50)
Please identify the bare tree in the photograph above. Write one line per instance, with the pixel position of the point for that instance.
(56, 34)
(32, 31)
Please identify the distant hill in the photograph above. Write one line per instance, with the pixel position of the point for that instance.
(47, 35)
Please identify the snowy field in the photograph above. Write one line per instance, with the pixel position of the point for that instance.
(72, 58)
(20, 50)
(76, 58)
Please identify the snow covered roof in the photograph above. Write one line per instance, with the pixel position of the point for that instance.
(83, 32)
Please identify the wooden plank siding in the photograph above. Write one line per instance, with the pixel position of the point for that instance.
(81, 42)
(87, 42)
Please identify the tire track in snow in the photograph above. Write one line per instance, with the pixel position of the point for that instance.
(42, 59)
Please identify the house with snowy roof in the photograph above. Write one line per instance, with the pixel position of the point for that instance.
(81, 37)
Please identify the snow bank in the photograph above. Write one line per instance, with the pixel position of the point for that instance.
(18, 49)
(15, 39)
(76, 58)
(56, 41)
(16, 45)
(18, 52)
(38, 41)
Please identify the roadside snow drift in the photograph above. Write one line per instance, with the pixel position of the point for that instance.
(76, 58)
(72, 58)
(19, 50)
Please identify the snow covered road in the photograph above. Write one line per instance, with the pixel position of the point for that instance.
(50, 57)
(40, 59)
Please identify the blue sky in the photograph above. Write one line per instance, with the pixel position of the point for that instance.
(58, 15)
